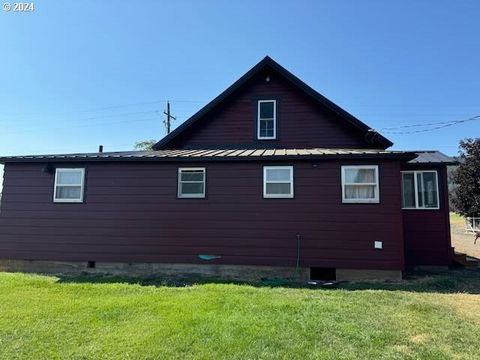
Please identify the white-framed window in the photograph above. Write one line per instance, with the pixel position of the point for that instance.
(420, 190)
(360, 184)
(69, 185)
(191, 182)
(267, 119)
(278, 181)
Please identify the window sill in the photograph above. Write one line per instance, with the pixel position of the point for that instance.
(361, 201)
(278, 197)
(437, 208)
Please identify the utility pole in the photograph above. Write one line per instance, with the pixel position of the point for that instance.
(169, 117)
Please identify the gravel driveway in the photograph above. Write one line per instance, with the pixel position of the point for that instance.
(464, 242)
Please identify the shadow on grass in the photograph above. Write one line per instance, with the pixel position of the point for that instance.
(438, 281)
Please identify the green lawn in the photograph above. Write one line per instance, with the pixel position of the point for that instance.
(424, 318)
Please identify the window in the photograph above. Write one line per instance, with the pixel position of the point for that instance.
(191, 182)
(69, 185)
(278, 181)
(360, 184)
(267, 120)
(420, 190)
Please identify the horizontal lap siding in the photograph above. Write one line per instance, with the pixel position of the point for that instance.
(301, 123)
(427, 232)
(132, 214)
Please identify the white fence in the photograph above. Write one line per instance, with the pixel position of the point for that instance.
(472, 224)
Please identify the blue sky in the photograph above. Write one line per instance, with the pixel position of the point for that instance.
(76, 74)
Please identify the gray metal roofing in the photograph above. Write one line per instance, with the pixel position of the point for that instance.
(235, 154)
(432, 157)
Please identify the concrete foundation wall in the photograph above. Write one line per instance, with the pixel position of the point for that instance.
(174, 271)
(366, 275)
(177, 271)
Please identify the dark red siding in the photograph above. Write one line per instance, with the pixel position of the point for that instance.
(301, 123)
(427, 232)
(131, 214)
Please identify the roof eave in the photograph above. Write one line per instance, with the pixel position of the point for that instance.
(433, 163)
(398, 156)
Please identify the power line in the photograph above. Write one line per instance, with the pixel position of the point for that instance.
(118, 115)
(138, 104)
(107, 116)
(99, 109)
(82, 126)
(121, 106)
(420, 125)
(441, 125)
(101, 117)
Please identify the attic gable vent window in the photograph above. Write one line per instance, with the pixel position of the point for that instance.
(267, 120)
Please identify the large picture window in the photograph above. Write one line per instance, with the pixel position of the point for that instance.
(267, 119)
(191, 182)
(278, 181)
(360, 184)
(69, 185)
(420, 190)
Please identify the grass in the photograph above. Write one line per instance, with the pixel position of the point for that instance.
(456, 218)
(426, 317)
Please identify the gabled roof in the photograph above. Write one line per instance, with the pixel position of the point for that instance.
(316, 96)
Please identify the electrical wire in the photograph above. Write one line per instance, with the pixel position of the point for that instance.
(442, 125)
(82, 126)
(105, 108)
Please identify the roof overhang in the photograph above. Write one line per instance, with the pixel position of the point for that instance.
(207, 155)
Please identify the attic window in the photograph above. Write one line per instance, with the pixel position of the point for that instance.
(267, 120)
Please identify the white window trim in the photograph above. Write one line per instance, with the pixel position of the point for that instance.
(277, 196)
(375, 200)
(274, 120)
(82, 185)
(179, 183)
(415, 181)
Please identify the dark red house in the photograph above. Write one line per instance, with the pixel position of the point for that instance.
(270, 179)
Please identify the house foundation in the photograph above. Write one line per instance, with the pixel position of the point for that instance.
(188, 271)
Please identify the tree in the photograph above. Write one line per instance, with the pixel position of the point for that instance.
(467, 179)
(452, 187)
(145, 144)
